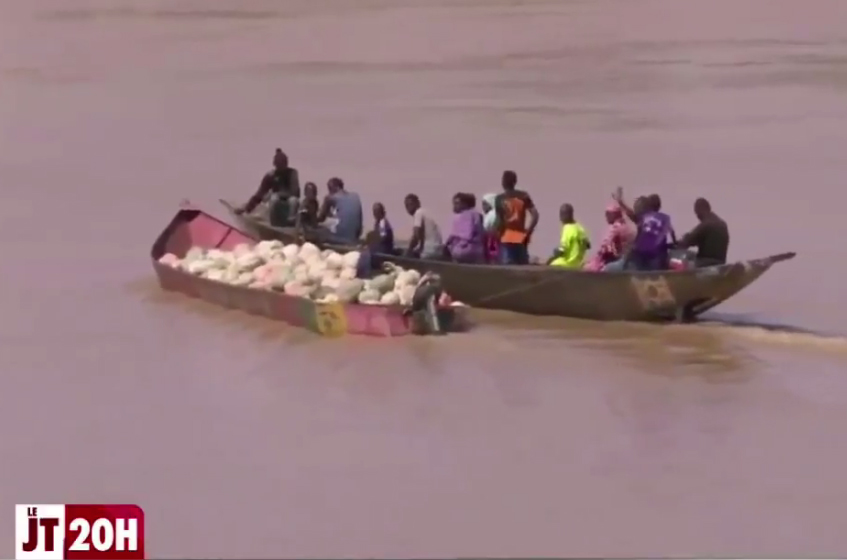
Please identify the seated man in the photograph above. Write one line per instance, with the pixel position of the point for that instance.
(280, 189)
(573, 243)
(426, 241)
(307, 217)
(383, 229)
(348, 210)
(710, 236)
(650, 249)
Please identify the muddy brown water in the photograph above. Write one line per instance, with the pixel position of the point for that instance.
(241, 437)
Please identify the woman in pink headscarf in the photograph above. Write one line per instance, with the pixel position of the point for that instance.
(618, 238)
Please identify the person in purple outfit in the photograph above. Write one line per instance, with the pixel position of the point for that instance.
(466, 242)
(650, 249)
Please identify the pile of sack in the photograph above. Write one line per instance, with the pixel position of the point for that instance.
(299, 270)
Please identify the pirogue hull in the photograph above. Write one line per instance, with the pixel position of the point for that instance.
(610, 296)
(191, 227)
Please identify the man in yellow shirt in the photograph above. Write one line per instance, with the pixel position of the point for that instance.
(574, 242)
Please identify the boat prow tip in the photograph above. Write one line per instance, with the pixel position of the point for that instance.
(783, 257)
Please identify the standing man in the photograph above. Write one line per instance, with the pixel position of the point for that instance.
(280, 188)
(512, 206)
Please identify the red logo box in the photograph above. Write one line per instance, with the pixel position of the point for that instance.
(79, 531)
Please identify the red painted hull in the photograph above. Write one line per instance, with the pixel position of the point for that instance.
(192, 227)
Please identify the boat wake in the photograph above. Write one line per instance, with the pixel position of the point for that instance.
(773, 333)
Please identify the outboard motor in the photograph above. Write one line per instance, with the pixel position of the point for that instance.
(424, 308)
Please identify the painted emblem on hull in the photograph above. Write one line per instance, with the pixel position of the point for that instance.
(653, 293)
(331, 319)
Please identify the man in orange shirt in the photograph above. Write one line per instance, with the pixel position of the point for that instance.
(512, 206)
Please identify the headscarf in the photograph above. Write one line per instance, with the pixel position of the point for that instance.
(615, 209)
(490, 220)
(616, 241)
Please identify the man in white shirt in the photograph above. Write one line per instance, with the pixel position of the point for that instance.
(426, 240)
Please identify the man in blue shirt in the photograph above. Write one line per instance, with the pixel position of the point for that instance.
(348, 210)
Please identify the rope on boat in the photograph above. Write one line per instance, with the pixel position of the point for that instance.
(519, 289)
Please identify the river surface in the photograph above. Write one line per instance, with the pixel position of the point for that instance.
(548, 437)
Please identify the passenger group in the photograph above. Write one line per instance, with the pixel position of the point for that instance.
(638, 237)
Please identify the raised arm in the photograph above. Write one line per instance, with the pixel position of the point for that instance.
(628, 212)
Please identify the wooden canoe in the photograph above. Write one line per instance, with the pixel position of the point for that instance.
(192, 227)
(610, 296)
(261, 229)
